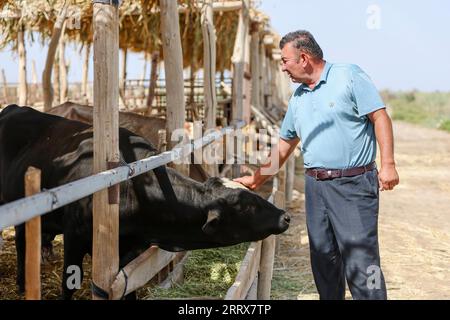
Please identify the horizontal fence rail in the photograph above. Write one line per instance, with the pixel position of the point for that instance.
(19, 211)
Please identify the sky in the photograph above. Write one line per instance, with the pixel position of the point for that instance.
(401, 44)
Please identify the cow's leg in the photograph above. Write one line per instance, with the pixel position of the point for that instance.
(47, 254)
(74, 251)
(20, 251)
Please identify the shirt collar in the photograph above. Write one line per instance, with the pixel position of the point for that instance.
(323, 77)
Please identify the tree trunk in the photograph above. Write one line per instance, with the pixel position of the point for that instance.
(47, 74)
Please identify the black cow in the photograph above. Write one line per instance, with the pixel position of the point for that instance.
(203, 215)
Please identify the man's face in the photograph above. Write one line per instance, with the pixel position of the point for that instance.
(293, 62)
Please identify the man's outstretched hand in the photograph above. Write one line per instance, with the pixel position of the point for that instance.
(248, 181)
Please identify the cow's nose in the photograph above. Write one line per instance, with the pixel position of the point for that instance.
(287, 218)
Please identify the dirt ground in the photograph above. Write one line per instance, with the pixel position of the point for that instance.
(414, 225)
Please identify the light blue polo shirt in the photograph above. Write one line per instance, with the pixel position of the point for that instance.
(331, 119)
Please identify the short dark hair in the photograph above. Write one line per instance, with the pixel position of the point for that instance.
(304, 41)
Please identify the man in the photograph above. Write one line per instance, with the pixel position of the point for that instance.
(337, 113)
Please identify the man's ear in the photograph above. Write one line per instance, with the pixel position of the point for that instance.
(212, 221)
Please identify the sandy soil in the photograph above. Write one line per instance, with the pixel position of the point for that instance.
(414, 225)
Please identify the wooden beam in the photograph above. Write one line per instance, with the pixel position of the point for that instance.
(140, 271)
(247, 273)
(173, 64)
(33, 240)
(105, 260)
(209, 67)
(238, 67)
(267, 256)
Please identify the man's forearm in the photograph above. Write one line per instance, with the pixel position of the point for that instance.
(282, 150)
(385, 138)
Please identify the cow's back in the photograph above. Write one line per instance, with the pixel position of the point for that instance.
(146, 127)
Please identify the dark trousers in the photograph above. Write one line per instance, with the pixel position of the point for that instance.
(342, 221)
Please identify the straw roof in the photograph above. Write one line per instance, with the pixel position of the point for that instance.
(139, 26)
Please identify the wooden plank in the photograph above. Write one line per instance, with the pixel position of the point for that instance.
(140, 271)
(33, 240)
(267, 256)
(173, 65)
(177, 274)
(105, 246)
(247, 273)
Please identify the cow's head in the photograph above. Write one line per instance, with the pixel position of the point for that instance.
(236, 214)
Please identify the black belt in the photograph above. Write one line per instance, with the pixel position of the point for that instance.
(329, 174)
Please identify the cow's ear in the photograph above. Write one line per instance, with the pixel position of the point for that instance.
(212, 222)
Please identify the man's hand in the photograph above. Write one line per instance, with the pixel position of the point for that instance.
(388, 177)
(248, 181)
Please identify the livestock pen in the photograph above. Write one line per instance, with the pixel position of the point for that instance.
(255, 76)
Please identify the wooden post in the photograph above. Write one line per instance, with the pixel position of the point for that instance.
(63, 87)
(56, 80)
(123, 76)
(5, 86)
(153, 82)
(47, 74)
(144, 70)
(33, 240)
(238, 66)
(35, 92)
(290, 175)
(267, 256)
(209, 67)
(263, 75)
(22, 66)
(173, 64)
(105, 259)
(85, 74)
(255, 65)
